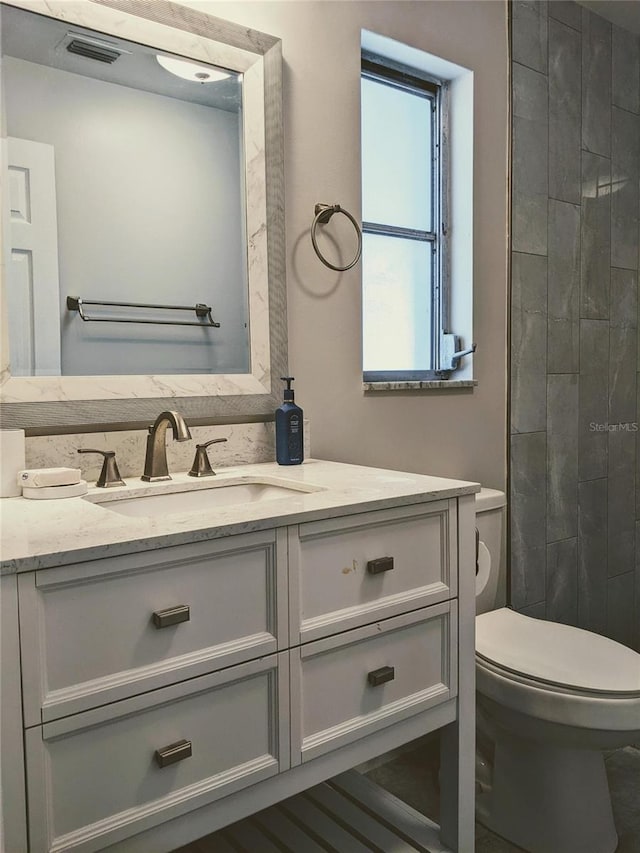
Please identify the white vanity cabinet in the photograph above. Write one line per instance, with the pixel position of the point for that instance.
(171, 691)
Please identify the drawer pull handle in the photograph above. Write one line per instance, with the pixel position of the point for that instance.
(381, 676)
(172, 753)
(171, 616)
(382, 564)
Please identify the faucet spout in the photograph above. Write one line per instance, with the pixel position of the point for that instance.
(155, 462)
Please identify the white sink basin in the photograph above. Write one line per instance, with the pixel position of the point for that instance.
(200, 498)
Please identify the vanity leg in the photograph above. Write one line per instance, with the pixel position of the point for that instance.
(13, 810)
(458, 739)
(457, 783)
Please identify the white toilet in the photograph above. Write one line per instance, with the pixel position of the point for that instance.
(550, 698)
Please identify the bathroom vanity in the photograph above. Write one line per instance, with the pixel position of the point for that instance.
(167, 670)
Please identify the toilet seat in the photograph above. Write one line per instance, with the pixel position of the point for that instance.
(565, 658)
(541, 669)
(585, 711)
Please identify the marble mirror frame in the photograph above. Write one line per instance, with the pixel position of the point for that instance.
(58, 404)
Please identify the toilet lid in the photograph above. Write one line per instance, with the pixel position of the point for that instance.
(555, 653)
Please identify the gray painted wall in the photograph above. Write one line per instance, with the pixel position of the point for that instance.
(575, 516)
(450, 433)
(148, 193)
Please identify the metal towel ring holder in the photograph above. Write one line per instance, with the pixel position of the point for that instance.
(324, 212)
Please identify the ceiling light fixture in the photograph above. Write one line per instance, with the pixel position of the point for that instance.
(191, 70)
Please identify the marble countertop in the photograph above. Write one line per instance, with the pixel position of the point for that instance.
(38, 534)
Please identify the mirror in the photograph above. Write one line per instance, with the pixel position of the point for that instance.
(164, 194)
(125, 186)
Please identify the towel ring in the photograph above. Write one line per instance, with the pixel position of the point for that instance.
(324, 212)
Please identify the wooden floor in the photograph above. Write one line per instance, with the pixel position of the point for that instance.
(411, 776)
(347, 814)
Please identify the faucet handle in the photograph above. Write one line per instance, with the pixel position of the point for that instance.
(109, 476)
(201, 466)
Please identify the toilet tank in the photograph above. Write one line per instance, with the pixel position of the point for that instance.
(491, 573)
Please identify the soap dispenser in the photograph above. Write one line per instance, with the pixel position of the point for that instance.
(289, 441)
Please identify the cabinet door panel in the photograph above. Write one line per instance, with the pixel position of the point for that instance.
(350, 571)
(101, 631)
(353, 684)
(97, 775)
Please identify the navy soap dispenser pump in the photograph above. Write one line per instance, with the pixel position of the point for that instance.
(289, 441)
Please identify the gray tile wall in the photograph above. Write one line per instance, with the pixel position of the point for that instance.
(575, 358)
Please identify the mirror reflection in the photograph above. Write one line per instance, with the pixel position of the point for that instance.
(126, 185)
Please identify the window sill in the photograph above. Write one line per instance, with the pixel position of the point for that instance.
(425, 385)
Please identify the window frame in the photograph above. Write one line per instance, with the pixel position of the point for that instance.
(387, 72)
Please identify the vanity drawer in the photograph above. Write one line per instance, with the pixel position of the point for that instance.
(351, 571)
(98, 632)
(356, 683)
(97, 776)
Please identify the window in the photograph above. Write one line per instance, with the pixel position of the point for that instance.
(405, 190)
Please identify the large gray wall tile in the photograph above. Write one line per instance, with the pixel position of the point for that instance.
(564, 112)
(621, 500)
(596, 83)
(528, 342)
(566, 11)
(563, 342)
(622, 374)
(529, 33)
(529, 223)
(620, 616)
(623, 345)
(593, 399)
(562, 456)
(530, 161)
(592, 555)
(528, 511)
(624, 298)
(595, 236)
(625, 89)
(562, 581)
(625, 164)
(530, 94)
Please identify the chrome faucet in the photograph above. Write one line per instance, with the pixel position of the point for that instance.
(155, 461)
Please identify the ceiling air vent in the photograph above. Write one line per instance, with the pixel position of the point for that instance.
(93, 50)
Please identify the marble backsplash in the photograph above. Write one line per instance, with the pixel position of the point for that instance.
(246, 444)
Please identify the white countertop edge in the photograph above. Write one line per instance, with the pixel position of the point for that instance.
(346, 490)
